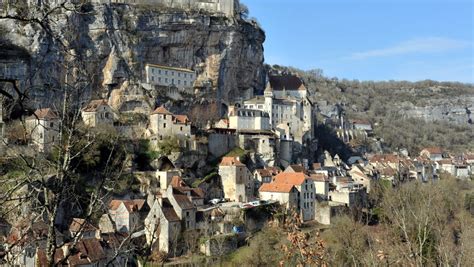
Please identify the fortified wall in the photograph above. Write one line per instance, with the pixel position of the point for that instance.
(225, 7)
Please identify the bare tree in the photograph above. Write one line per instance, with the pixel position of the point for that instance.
(50, 187)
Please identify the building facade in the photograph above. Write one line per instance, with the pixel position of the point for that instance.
(285, 194)
(164, 124)
(126, 214)
(98, 112)
(237, 181)
(43, 128)
(306, 192)
(286, 101)
(160, 75)
(249, 119)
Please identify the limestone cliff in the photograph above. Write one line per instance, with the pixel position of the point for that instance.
(116, 41)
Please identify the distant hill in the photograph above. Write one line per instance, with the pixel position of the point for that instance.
(405, 114)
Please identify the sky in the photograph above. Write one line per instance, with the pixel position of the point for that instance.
(371, 39)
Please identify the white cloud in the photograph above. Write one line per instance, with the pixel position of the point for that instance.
(419, 45)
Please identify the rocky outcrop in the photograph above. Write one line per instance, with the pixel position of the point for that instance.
(114, 42)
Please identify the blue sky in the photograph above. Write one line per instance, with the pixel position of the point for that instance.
(371, 39)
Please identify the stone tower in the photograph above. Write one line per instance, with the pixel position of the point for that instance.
(268, 95)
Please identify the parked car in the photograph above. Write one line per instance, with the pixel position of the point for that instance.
(215, 201)
(246, 206)
(255, 203)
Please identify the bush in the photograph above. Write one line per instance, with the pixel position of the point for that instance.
(144, 155)
(168, 145)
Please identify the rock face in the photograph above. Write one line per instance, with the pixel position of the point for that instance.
(116, 41)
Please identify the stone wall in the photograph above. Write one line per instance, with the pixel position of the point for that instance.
(221, 144)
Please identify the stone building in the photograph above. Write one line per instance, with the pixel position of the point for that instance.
(127, 214)
(248, 119)
(98, 112)
(180, 78)
(237, 180)
(162, 225)
(286, 100)
(285, 194)
(43, 128)
(165, 124)
(306, 189)
(291, 113)
(184, 207)
(433, 153)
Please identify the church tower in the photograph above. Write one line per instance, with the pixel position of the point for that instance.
(268, 95)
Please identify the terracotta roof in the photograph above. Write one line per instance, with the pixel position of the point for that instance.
(273, 170)
(161, 110)
(183, 201)
(294, 178)
(319, 177)
(276, 187)
(168, 211)
(433, 150)
(88, 251)
(181, 118)
(285, 81)
(231, 161)
(264, 172)
(44, 113)
(131, 205)
(176, 181)
(94, 105)
(77, 223)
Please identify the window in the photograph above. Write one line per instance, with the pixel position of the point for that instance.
(179, 81)
(41, 135)
(187, 213)
(51, 124)
(166, 72)
(159, 71)
(185, 83)
(152, 70)
(164, 125)
(181, 128)
(164, 116)
(159, 79)
(185, 75)
(172, 81)
(152, 78)
(166, 80)
(179, 74)
(172, 73)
